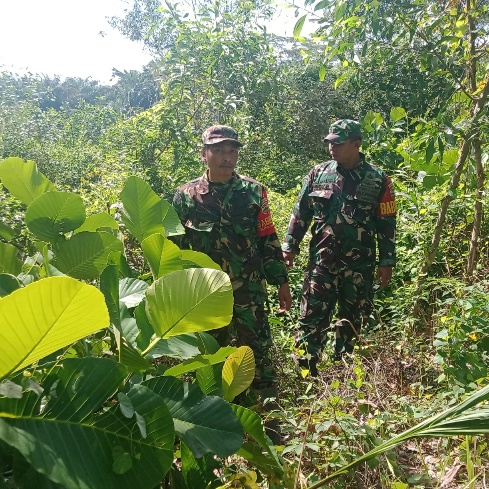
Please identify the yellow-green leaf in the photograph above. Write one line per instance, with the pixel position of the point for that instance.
(23, 180)
(188, 301)
(238, 372)
(45, 316)
(163, 256)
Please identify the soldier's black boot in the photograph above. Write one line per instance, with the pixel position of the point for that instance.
(310, 365)
(340, 348)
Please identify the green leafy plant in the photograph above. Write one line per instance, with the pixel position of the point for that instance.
(462, 342)
(466, 418)
(85, 369)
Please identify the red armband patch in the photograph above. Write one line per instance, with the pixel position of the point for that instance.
(387, 205)
(265, 223)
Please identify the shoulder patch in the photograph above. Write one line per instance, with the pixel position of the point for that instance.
(387, 204)
(265, 223)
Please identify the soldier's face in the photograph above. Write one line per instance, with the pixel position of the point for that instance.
(347, 153)
(221, 159)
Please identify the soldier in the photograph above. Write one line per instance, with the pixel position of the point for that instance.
(226, 216)
(352, 207)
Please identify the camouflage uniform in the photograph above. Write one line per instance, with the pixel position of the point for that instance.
(350, 210)
(231, 223)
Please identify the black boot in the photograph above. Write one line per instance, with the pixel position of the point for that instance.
(340, 348)
(310, 365)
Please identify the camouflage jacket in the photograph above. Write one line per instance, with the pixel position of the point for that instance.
(231, 223)
(350, 210)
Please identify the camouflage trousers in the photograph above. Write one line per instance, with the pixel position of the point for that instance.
(250, 327)
(351, 291)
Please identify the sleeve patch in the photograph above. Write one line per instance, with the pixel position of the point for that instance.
(265, 223)
(387, 205)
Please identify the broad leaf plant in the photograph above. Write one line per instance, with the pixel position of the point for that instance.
(108, 377)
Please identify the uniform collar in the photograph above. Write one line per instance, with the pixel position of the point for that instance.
(204, 182)
(358, 169)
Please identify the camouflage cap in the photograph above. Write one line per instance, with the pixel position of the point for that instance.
(343, 130)
(217, 134)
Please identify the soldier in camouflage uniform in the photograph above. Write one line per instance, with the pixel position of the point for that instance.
(226, 216)
(352, 207)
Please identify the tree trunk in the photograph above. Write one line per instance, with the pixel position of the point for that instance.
(474, 240)
(473, 246)
(450, 195)
(464, 152)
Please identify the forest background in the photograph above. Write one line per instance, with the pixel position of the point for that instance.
(415, 73)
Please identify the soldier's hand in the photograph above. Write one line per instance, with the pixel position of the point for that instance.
(284, 298)
(288, 259)
(384, 274)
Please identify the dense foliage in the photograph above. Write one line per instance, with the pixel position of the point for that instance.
(84, 230)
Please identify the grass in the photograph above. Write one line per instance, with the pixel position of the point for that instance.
(354, 406)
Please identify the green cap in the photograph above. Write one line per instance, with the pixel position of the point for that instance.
(343, 130)
(218, 134)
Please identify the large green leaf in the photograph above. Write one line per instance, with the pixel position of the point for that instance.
(142, 212)
(253, 426)
(118, 258)
(132, 359)
(206, 424)
(126, 330)
(25, 476)
(145, 213)
(209, 379)
(238, 372)
(29, 401)
(23, 180)
(201, 361)
(132, 291)
(263, 454)
(54, 214)
(111, 450)
(85, 254)
(9, 262)
(183, 346)
(146, 331)
(163, 256)
(46, 316)
(109, 286)
(298, 27)
(191, 258)
(82, 386)
(129, 327)
(97, 222)
(8, 283)
(171, 221)
(189, 347)
(187, 301)
(207, 343)
(397, 113)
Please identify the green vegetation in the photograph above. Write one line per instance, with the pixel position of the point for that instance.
(109, 378)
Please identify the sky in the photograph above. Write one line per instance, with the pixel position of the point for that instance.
(73, 38)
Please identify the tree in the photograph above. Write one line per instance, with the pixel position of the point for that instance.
(217, 67)
(134, 90)
(449, 41)
(148, 20)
